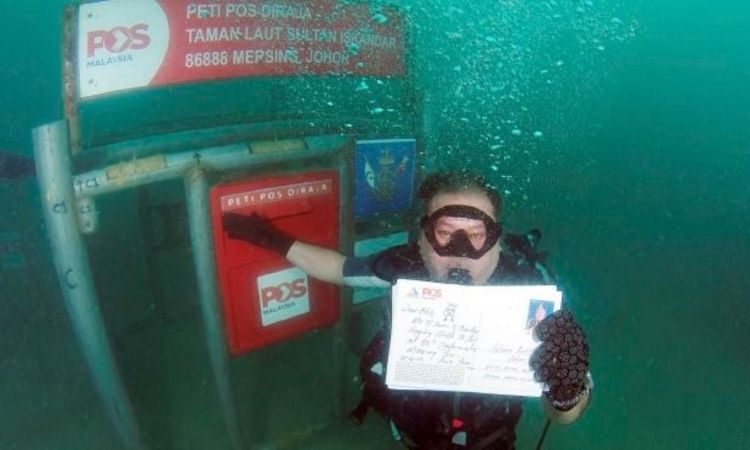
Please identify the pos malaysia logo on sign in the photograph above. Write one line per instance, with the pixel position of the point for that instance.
(283, 295)
(117, 40)
(121, 45)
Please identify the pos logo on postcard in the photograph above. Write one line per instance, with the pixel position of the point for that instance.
(121, 44)
(283, 295)
(426, 293)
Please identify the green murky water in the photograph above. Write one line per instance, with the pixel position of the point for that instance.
(621, 129)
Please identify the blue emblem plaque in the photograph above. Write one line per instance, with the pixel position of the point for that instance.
(384, 180)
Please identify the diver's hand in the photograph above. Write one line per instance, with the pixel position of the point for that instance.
(562, 359)
(257, 230)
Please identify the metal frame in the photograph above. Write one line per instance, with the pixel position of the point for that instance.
(70, 77)
(63, 194)
(52, 153)
(193, 155)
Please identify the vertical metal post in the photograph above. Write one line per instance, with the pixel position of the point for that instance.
(196, 190)
(70, 76)
(341, 331)
(51, 150)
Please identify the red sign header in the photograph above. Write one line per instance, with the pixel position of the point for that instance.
(137, 43)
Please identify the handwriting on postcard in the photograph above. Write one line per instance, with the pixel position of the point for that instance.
(450, 343)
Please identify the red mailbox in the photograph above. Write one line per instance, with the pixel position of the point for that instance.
(265, 298)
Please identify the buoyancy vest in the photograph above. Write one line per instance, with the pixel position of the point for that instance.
(445, 420)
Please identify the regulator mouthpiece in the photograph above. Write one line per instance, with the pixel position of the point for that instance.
(459, 276)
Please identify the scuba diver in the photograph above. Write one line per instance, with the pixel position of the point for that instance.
(459, 242)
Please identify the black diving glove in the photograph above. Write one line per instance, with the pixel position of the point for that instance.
(257, 230)
(562, 359)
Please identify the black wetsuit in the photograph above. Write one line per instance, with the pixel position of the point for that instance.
(430, 419)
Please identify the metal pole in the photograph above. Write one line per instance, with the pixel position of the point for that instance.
(142, 171)
(341, 401)
(52, 155)
(196, 190)
(70, 76)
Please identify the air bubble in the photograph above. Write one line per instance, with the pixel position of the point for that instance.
(379, 18)
(353, 48)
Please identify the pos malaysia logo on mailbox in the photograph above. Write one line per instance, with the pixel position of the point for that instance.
(283, 295)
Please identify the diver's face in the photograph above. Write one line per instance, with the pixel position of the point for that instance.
(540, 313)
(438, 266)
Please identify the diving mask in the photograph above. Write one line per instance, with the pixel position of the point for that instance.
(460, 230)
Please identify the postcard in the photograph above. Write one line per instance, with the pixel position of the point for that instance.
(447, 337)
